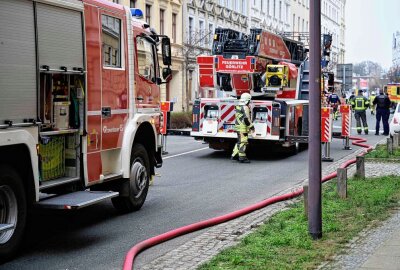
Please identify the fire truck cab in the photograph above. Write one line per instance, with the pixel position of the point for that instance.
(79, 108)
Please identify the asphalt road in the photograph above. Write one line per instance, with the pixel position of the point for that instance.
(195, 183)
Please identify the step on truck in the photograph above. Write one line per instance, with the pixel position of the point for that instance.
(79, 108)
(273, 69)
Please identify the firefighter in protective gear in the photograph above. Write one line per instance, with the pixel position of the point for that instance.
(371, 102)
(243, 125)
(360, 104)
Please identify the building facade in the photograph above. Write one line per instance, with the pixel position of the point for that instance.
(273, 15)
(332, 22)
(396, 49)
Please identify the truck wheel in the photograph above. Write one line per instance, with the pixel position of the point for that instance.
(13, 210)
(137, 186)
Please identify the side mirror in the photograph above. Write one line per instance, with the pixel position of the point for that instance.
(166, 51)
(167, 74)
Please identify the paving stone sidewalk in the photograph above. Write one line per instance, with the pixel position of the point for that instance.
(208, 244)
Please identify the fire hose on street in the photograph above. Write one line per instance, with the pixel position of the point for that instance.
(135, 250)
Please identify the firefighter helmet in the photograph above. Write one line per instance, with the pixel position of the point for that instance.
(245, 98)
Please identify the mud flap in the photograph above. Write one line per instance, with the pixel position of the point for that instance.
(158, 157)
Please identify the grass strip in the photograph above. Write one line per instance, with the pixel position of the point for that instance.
(283, 241)
(381, 152)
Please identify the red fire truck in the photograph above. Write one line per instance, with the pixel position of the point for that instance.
(273, 69)
(79, 108)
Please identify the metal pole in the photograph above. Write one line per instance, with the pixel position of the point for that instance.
(314, 163)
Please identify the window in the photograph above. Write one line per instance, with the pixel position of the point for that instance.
(302, 26)
(174, 27)
(145, 58)
(148, 14)
(244, 7)
(274, 9)
(294, 21)
(210, 33)
(132, 4)
(287, 13)
(268, 7)
(190, 33)
(280, 10)
(298, 24)
(202, 32)
(111, 38)
(116, 1)
(162, 21)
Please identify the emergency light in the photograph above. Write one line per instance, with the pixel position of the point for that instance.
(137, 13)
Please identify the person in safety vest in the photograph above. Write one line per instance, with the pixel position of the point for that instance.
(243, 125)
(360, 105)
(371, 102)
(352, 96)
(334, 102)
(382, 103)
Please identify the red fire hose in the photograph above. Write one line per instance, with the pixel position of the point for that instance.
(135, 250)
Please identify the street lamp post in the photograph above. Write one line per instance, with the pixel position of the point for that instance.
(314, 163)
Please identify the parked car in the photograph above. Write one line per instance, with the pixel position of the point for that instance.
(395, 123)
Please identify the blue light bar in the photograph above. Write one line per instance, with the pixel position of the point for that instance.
(137, 13)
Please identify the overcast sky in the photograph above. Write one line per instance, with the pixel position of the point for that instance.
(370, 25)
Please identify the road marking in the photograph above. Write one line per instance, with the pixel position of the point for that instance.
(185, 153)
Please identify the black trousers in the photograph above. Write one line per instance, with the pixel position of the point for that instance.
(384, 115)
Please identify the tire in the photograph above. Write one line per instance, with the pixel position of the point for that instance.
(13, 210)
(137, 186)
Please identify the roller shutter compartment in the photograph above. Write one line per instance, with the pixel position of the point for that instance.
(60, 38)
(18, 81)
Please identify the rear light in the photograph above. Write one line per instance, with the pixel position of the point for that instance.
(161, 122)
(253, 64)
(395, 120)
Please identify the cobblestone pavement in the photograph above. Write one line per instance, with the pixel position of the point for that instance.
(208, 244)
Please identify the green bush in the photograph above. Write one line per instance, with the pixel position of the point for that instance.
(181, 120)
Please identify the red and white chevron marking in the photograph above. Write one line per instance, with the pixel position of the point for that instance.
(227, 116)
(202, 114)
(345, 124)
(326, 130)
(269, 120)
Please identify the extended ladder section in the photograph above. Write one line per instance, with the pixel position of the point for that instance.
(304, 80)
(261, 43)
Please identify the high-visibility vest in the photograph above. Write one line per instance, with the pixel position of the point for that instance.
(360, 103)
(242, 118)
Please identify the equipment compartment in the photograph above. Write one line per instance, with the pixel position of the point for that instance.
(61, 112)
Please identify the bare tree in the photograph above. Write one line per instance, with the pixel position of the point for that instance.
(367, 68)
(394, 74)
(198, 42)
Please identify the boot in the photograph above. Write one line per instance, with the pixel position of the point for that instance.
(244, 160)
(233, 158)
